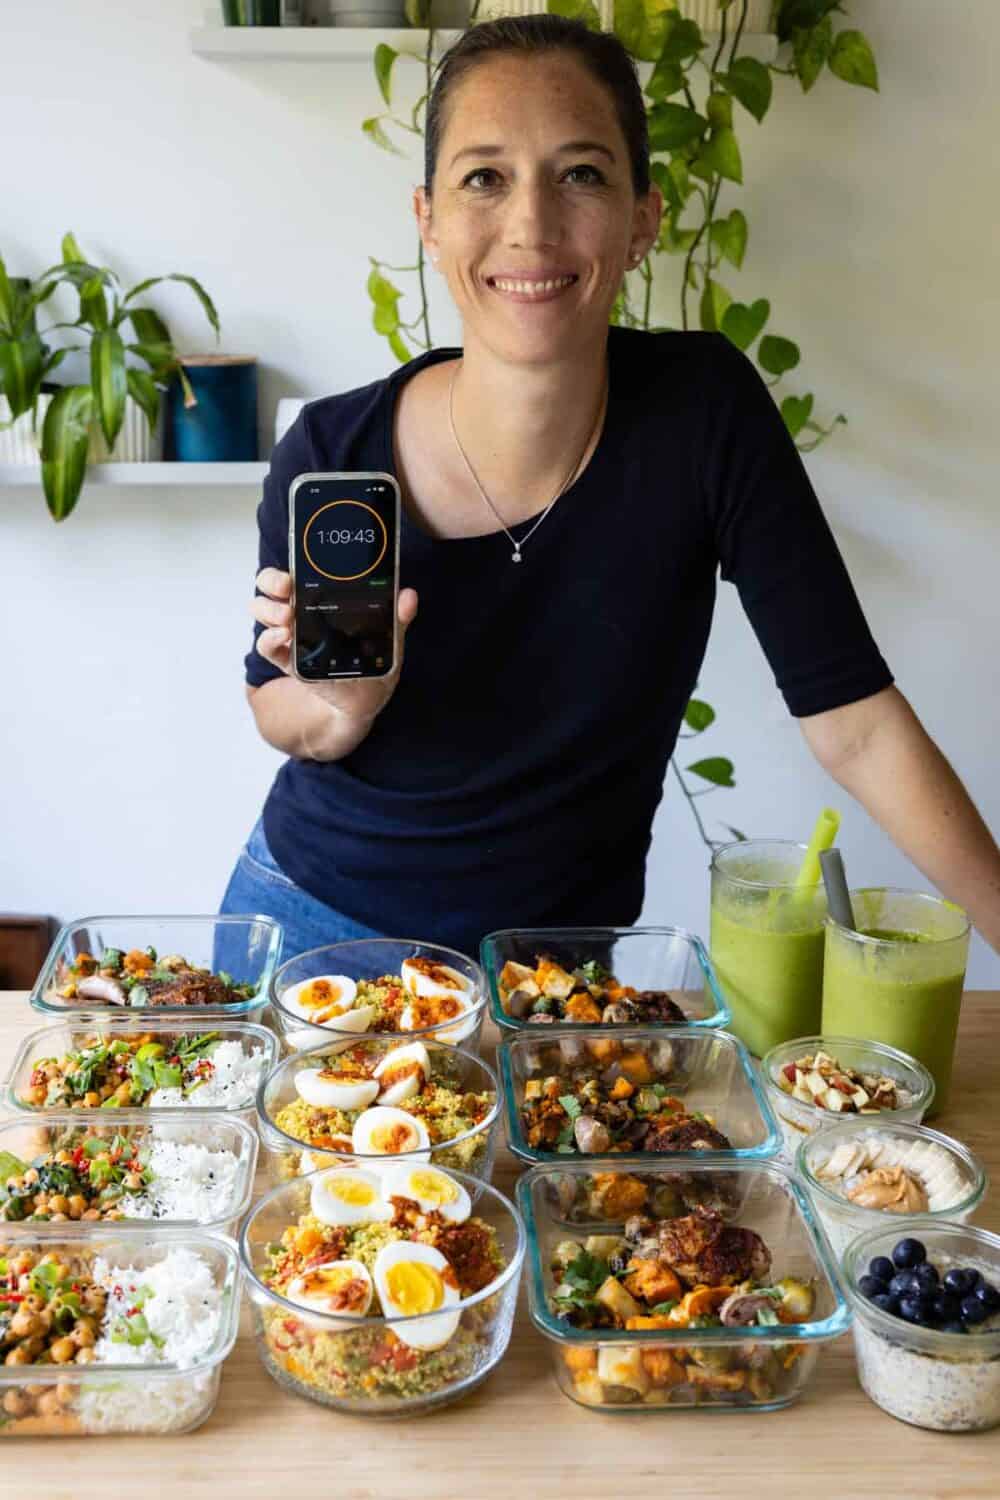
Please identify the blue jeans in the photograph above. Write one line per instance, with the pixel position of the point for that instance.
(259, 884)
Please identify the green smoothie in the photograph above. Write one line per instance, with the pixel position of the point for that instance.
(772, 979)
(902, 986)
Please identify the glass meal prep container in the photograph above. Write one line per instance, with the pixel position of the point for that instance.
(170, 1390)
(126, 1166)
(573, 1206)
(377, 1365)
(798, 1119)
(944, 1381)
(225, 1063)
(458, 1087)
(143, 961)
(705, 1074)
(647, 959)
(334, 994)
(897, 1171)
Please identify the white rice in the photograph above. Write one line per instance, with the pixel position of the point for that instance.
(183, 1306)
(189, 1182)
(232, 1084)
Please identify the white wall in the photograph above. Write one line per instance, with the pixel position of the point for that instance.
(129, 765)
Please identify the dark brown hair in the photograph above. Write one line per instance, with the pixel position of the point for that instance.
(600, 52)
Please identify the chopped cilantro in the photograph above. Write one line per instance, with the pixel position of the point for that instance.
(581, 1280)
(594, 972)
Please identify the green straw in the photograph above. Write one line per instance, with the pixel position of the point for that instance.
(823, 836)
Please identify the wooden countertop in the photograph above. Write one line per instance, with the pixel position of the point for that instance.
(519, 1435)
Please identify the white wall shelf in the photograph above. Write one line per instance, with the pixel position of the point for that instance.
(187, 476)
(310, 43)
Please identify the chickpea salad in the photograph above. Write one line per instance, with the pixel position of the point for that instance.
(110, 1175)
(400, 1242)
(69, 1307)
(109, 1072)
(139, 978)
(682, 1274)
(589, 994)
(373, 1102)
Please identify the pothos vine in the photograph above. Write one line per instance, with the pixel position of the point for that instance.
(690, 90)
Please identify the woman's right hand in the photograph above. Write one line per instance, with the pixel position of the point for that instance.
(355, 698)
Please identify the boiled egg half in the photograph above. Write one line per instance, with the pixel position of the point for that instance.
(327, 1089)
(431, 1189)
(335, 1286)
(401, 1073)
(348, 1195)
(414, 1279)
(386, 1131)
(326, 1001)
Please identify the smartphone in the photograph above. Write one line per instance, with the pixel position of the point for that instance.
(343, 549)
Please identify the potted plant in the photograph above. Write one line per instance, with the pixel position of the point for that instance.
(76, 419)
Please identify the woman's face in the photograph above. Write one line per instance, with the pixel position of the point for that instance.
(533, 184)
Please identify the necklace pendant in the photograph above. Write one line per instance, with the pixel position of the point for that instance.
(516, 555)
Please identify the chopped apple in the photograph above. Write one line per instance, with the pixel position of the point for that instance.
(816, 1083)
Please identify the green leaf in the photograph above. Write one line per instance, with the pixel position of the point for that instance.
(810, 50)
(737, 833)
(722, 153)
(21, 365)
(801, 14)
(777, 355)
(673, 125)
(93, 304)
(683, 39)
(741, 324)
(712, 307)
(673, 240)
(71, 250)
(719, 109)
(729, 236)
(148, 326)
(643, 25)
(577, 10)
(750, 82)
(796, 411)
(10, 1166)
(208, 306)
(381, 290)
(385, 56)
(666, 78)
(399, 349)
(853, 60)
(698, 715)
(716, 769)
(667, 186)
(65, 439)
(6, 298)
(107, 378)
(144, 390)
(375, 133)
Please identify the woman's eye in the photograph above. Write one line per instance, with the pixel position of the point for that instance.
(593, 175)
(479, 172)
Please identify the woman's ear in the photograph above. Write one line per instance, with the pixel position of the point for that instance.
(646, 224)
(422, 213)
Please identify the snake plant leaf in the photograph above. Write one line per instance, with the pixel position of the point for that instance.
(65, 439)
(208, 306)
(21, 364)
(144, 390)
(108, 382)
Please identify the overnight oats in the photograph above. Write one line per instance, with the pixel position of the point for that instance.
(857, 1173)
(815, 1081)
(927, 1323)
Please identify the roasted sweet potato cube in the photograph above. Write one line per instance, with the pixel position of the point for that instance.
(553, 980)
(581, 1008)
(580, 1360)
(619, 1195)
(662, 1368)
(622, 1089)
(512, 975)
(650, 1282)
(635, 1065)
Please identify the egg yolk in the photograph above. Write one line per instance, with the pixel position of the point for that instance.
(414, 1287)
(428, 1010)
(431, 1187)
(358, 1193)
(321, 992)
(338, 1285)
(390, 1139)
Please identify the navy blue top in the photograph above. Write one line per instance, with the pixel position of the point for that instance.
(513, 777)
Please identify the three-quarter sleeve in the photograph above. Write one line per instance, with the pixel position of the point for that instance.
(292, 456)
(775, 545)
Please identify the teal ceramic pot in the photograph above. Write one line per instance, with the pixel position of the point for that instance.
(222, 428)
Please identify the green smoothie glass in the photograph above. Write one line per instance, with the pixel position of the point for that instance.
(767, 941)
(899, 978)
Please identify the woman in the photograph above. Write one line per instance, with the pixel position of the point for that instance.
(508, 773)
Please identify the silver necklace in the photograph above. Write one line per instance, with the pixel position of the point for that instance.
(518, 546)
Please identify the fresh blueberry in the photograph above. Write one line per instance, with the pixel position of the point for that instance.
(926, 1277)
(973, 1310)
(945, 1308)
(961, 1281)
(870, 1286)
(907, 1254)
(887, 1303)
(988, 1296)
(914, 1309)
(903, 1284)
(882, 1268)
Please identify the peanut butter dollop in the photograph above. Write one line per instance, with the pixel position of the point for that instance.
(891, 1189)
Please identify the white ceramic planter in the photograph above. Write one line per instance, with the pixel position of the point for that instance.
(135, 443)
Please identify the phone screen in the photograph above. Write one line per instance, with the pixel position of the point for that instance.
(345, 532)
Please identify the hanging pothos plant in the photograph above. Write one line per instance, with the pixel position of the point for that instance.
(692, 92)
